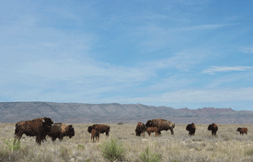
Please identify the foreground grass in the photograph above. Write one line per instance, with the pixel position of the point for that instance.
(227, 146)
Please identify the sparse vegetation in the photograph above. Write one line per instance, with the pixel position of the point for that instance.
(148, 156)
(112, 150)
(227, 146)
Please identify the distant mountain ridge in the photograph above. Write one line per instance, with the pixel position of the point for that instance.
(12, 112)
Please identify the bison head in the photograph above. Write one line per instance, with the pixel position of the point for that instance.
(173, 125)
(238, 129)
(71, 132)
(149, 123)
(90, 128)
(47, 122)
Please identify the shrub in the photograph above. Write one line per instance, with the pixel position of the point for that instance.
(13, 145)
(81, 147)
(148, 156)
(112, 150)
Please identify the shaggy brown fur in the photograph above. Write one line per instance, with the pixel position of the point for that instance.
(151, 130)
(242, 130)
(101, 128)
(140, 129)
(37, 127)
(191, 128)
(95, 133)
(59, 130)
(161, 124)
(213, 127)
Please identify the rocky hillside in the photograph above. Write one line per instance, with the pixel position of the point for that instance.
(12, 112)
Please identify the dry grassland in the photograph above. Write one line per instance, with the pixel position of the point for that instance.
(228, 145)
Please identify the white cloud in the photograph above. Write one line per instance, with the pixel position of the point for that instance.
(214, 69)
(246, 49)
(193, 96)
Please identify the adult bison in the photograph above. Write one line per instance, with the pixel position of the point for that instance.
(59, 130)
(36, 127)
(242, 130)
(101, 128)
(191, 128)
(161, 124)
(140, 129)
(213, 127)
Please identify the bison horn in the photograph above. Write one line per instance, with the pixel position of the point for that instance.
(43, 120)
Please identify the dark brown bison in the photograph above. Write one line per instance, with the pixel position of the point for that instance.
(161, 124)
(140, 129)
(59, 130)
(242, 130)
(150, 130)
(191, 128)
(95, 133)
(213, 127)
(101, 128)
(36, 127)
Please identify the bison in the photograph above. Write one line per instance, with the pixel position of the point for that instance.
(95, 133)
(36, 127)
(213, 127)
(59, 130)
(100, 127)
(140, 129)
(161, 124)
(242, 130)
(150, 130)
(191, 128)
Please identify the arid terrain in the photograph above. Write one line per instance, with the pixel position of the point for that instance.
(228, 145)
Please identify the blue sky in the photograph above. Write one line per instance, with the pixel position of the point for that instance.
(169, 53)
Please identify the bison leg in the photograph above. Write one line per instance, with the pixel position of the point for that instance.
(53, 139)
(38, 139)
(172, 131)
(60, 138)
(107, 133)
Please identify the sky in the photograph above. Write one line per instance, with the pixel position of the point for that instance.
(176, 53)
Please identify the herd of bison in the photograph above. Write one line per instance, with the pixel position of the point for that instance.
(43, 127)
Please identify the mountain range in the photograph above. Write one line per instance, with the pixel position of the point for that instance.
(12, 112)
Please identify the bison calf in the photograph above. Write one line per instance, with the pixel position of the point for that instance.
(151, 130)
(191, 128)
(59, 130)
(213, 127)
(95, 133)
(242, 130)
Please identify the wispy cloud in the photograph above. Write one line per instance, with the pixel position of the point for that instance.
(194, 95)
(246, 49)
(214, 69)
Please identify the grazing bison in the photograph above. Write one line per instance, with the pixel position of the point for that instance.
(101, 128)
(59, 130)
(95, 133)
(161, 124)
(151, 130)
(191, 128)
(36, 127)
(140, 129)
(213, 127)
(242, 130)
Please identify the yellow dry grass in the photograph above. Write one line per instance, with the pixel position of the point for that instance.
(227, 146)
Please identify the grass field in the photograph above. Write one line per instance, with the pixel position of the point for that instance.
(228, 145)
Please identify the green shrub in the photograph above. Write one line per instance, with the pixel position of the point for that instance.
(81, 147)
(148, 156)
(13, 144)
(112, 150)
